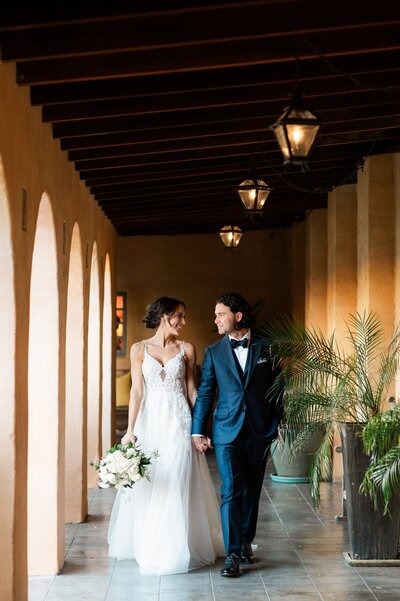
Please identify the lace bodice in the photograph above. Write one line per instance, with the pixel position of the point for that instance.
(169, 377)
(165, 392)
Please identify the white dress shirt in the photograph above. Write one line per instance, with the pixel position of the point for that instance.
(241, 352)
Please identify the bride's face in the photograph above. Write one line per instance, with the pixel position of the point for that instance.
(175, 322)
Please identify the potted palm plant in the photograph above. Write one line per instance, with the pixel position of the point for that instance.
(292, 467)
(328, 387)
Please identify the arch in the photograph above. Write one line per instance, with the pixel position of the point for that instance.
(8, 536)
(107, 413)
(45, 522)
(94, 369)
(75, 434)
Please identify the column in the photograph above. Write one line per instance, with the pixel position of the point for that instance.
(316, 269)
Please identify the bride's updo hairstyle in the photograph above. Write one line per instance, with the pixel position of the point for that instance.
(164, 305)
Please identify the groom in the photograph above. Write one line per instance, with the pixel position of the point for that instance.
(245, 422)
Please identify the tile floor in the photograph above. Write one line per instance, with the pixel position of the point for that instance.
(299, 559)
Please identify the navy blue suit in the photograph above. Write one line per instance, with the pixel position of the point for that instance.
(244, 425)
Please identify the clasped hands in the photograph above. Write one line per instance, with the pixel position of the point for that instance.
(202, 443)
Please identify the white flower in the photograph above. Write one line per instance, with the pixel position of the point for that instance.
(122, 466)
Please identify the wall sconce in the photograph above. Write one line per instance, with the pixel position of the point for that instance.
(296, 130)
(230, 235)
(252, 194)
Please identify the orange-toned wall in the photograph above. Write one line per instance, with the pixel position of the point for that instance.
(197, 269)
(31, 159)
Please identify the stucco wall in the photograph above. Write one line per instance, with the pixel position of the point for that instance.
(32, 160)
(197, 269)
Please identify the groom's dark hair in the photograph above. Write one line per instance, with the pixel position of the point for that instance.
(237, 304)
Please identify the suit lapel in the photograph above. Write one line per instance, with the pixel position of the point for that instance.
(256, 346)
(227, 356)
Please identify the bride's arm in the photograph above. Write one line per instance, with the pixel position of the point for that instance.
(191, 389)
(136, 394)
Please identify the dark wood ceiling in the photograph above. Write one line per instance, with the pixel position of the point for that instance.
(164, 106)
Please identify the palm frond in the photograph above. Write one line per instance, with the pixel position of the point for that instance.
(382, 479)
(381, 437)
(321, 468)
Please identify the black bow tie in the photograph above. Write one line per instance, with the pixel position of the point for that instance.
(243, 343)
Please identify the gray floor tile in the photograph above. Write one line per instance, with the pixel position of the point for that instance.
(299, 558)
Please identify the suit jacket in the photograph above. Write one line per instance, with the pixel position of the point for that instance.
(238, 392)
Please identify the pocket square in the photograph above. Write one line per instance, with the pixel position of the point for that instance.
(262, 360)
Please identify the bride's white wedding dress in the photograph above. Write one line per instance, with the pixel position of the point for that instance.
(171, 524)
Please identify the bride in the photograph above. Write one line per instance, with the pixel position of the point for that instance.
(171, 523)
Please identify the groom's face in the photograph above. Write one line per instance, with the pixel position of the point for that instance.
(225, 320)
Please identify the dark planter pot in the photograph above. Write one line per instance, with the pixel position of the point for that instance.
(293, 469)
(372, 535)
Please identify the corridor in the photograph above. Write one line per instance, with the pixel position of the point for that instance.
(299, 559)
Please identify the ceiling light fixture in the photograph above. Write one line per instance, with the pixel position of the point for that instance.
(230, 236)
(296, 130)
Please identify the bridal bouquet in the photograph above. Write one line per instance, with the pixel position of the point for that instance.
(123, 465)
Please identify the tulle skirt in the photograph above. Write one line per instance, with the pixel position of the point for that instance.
(170, 524)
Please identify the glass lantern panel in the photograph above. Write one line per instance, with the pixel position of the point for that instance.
(300, 114)
(248, 197)
(301, 138)
(236, 239)
(281, 139)
(262, 197)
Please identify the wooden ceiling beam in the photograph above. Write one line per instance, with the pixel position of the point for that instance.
(362, 66)
(228, 120)
(250, 21)
(197, 57)
(188, 146)
(334, 92)
(202, 216)
(269, 150)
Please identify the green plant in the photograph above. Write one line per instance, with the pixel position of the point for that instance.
(381, 438)
(326, 383)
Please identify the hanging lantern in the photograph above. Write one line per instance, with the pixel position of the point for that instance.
(296, 130)
(253, 193)
(230, 235)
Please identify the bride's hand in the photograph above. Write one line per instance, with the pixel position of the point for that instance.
(128, 437)
(202, 443)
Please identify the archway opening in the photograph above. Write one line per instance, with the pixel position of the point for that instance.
(45, 522)
(93, 370)
(107, 413)
(75, 426)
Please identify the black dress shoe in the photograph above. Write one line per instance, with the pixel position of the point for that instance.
(246, 554)
(231, 566)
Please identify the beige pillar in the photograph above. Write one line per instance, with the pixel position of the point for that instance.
(396, 167)
(342, 258)
(316, 269)
(342, 274)
(376, 238)
(298, 270)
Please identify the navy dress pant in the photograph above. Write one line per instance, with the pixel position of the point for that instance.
(241, 465)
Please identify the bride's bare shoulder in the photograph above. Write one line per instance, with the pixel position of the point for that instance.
(190, 349)
(137, 349)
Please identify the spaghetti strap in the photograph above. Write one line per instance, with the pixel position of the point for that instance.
(145, 347)
(183, 348)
